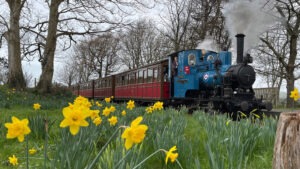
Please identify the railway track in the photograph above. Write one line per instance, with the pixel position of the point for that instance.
(274, 114)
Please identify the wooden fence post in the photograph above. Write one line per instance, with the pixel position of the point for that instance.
(287, 143)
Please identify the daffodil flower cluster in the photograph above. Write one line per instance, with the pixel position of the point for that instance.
(157, 106)
(107, 111)
(75, 115)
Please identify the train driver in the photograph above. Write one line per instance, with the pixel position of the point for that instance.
(174, 66)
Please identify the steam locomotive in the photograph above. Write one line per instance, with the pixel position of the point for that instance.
(203, 78)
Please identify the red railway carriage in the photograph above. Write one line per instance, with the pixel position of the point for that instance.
(145, 83)
(85, 89)
(104, 87)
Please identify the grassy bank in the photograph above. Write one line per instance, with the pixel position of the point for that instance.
(202, 141)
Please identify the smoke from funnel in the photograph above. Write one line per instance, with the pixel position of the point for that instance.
(245, 17)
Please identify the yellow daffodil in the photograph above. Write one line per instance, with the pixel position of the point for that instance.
(36, 106)
(82, 101)
(112, 109)
(107, 99)
(295, 94)
(74, 117)
(94, 114)
(123, 113)
(113, 120)
(13, 160)
(171, 155)
(135, 133)
(32, 151)
(149, 109)
(18, 128)
(97, 121)
(130, 104)
(106, 111)
(158, 105)
(98, 104)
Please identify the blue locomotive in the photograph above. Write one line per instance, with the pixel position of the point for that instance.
(209, 79)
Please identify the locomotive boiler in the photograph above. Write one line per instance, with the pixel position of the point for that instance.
(210, 79)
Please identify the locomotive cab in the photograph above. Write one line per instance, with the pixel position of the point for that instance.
(196, 75)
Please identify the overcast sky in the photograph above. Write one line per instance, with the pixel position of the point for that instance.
(34, 68)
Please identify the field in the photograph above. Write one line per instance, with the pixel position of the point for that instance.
(203, 141)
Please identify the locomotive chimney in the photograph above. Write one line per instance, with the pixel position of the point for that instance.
(240, 48)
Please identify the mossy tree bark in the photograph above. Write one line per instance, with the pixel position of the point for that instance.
(45, 83)
(15, 72)
(287, 143)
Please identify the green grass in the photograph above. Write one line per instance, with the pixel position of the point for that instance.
(203, 141)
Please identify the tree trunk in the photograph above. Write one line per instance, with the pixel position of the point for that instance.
(15, 73)
(45, 82)
(286, 148)
(289, 88)
(291, 68)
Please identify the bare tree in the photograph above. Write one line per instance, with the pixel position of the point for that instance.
(177, 24)
(266, 64)
(68, 19)
(142, 44)
(208, 20)
(97, 55)
(68, 75)
(287, 53)
(28, 78)
(12, 36)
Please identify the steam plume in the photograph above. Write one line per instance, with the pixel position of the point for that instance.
(247, 17)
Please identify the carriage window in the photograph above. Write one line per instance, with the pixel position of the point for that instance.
(117, 81)
(145, 75)
(108, 83)
(155, 74)
(140, 76)
(105, 83)
(120, 80)
(132, 78)
(191, 59)
(123, 80)
(150, 75)
(99, 83)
